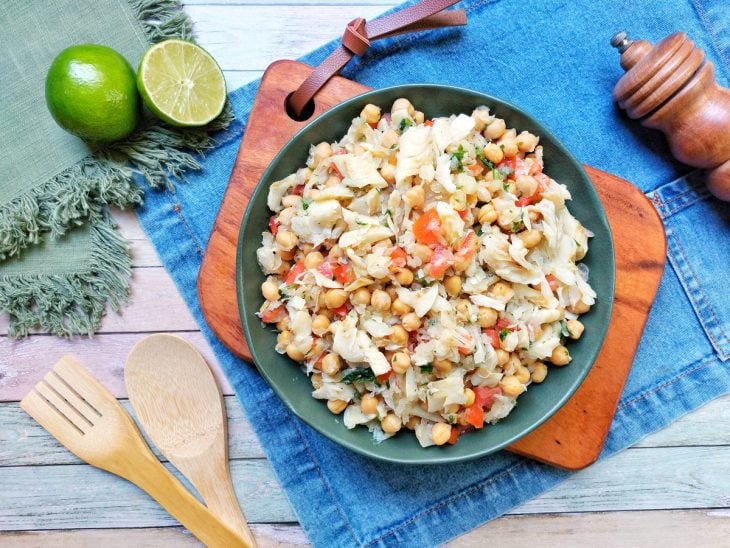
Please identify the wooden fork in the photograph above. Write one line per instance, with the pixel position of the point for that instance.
(83, 416)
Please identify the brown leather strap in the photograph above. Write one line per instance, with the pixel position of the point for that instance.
(358, 35)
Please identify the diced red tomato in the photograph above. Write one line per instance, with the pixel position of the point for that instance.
(484, 396)
(326, 269)
(393, 160)
(493, 335)
(373, 124)
(273, 225)
(298, 190)
(463, 213)
(382, 379)
(535, 168)
(441, 260)
(341, 311)
(476, 169)
(343, 273)
(552, 282)
(296, 271)
(529, 200)
(454, 435)
(474, 415)
(273, 315)
(467, 248)
(398, 257)
(428, 123)
(503, 323)
(464, 351)
(427, 228)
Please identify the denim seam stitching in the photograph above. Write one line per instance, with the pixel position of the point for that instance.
(702, 16)
(465, 493)
(705, 303)
(695, 366)
(685, 203)
(326, 485)
(177, 210)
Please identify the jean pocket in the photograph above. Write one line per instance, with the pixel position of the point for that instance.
(698, 248)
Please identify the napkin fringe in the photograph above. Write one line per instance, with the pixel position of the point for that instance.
(155, 151)
(71, 303)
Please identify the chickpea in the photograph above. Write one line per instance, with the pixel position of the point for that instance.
(331, 364)
(495, 129)
(286, 240)
(511, 386)
(413, 422)
(403, 276)
(443, 366)
(534, 216)
(388, 172)
(361, 296)
(287, 255)
(283, 323)
(452, 284)
(284, 338)
(487, 317)
(575, 328)
(399, 308)
(560, 356)
(463, 310)
(391, 290)
(370, 114)
(391, 423)
(487, 214)
(306, 249)
(400, 361)
(419, 117)
(579, 308)
(336, 406)
(481, 118)
(502, 356)
(335, 252)
(415, 197)
(502, 291)
(335, 298)
(316, 381)
(399, 336)
(380, 300)
(369, 404)
(470, 397)
(321, 151)
(270, 290)
(321, 302)
(526, 184)
(411, 322)
(526, 141)
(422, 251)
(458, 200)
(509, 147)
(493, 153)
(291, 200)
(294, 353)
(440, 433)
(389, 138)
(522, 374)
(530, 238)
(313, 259)
(514, 363)
(403, 104)
(320, 324)
(539, 372)
(461, 263)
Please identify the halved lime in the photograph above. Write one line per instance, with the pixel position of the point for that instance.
(181, 83)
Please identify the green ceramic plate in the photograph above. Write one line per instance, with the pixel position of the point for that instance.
(540, 401)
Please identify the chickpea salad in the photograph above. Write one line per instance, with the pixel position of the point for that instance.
(424, 272)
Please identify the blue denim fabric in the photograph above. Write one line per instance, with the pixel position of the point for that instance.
(553, 59)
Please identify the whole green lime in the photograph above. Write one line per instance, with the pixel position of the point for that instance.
(91, 92)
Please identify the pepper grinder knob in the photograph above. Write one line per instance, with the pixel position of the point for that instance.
(672, 88)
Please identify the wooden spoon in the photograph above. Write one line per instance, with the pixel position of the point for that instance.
(179, 405)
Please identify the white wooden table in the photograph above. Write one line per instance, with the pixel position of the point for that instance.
(672, 489)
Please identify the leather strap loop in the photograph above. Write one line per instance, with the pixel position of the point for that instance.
(359, 34)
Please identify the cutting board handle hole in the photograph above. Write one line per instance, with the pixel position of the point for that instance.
(306, 113)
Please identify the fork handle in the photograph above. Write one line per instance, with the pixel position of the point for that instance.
(147, 473)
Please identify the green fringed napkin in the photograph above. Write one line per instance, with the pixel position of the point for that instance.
(61, 261)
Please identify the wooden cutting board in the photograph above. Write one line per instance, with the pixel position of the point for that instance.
(573, 437)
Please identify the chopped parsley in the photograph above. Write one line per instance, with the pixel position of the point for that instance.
(458, 158)
(518, 226)
(363, 374)
(282, 294)
(483, 159)
(505, 186)
(480, 231)
(361, 223)
(504, 333)
(405, 123)
(428, 368)
(564, 331)
(451, 418)
(305, 204)
(357, 395)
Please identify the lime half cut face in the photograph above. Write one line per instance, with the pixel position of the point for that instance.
(181, 83)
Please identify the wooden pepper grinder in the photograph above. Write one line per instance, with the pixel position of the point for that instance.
(670, 87)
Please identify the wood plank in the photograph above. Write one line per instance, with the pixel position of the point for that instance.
(143, 252)
(79, 496)
(24, 442)
(275, 3)
(279, 32)
(24, 362)
(155, 305)
(696, 528)
(268, 535)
